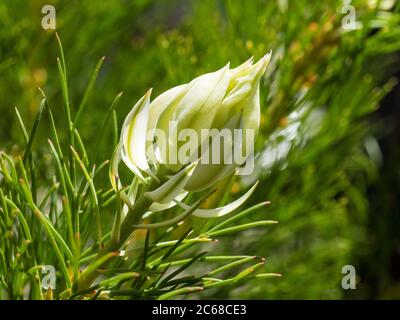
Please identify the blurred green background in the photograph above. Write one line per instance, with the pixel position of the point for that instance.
(328, 151)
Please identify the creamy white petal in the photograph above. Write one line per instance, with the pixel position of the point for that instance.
(166, 100)
(173, 187)
(221, 211)
(134, 132)
(156, 207)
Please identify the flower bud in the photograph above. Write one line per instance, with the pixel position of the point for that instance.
(210, 122)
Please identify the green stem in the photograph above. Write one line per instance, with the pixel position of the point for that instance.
(132, 218)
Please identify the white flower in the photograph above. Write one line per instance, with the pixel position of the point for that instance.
(155, 134)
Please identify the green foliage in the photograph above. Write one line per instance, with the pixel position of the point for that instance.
(64, 221)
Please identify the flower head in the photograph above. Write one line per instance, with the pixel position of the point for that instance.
(198, 132)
